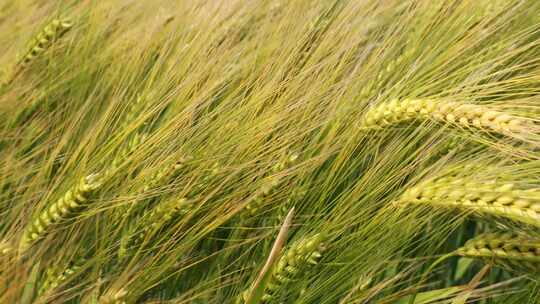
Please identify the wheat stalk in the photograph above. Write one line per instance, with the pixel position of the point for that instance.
(458, 113)
(510, 249)
(490, 197)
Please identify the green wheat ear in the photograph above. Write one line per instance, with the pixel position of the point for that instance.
(159, 216)
(292, 265)
(508, 249)
(73, 201)
(271, 185)
(56, 276)
(53, 31)
(40, 44)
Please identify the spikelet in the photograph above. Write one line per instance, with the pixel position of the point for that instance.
(457, 113)
(490, 197)
(509, 249)
(160, 215)
(73, 201)
(43, 41)
(292, 265)
(55, 278)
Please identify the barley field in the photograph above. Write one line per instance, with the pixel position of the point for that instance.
(270, 151)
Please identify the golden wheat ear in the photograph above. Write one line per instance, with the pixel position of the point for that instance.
(510, 250)
(460, 114)
(489, 197)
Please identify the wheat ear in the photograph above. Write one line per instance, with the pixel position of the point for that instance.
(509, 249)
(53, 31)
(43, 41)
(457, 113)
(73, 201)
(293, 263)
(500, 199)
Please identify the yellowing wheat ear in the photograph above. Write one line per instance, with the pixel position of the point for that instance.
(500, 199)
(73, 201)
(509, 249)
(457, 113)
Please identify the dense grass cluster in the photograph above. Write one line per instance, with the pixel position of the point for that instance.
(270, 151)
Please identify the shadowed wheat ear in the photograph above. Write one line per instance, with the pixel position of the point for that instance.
(43, 41)
(160, 178)
(160, 215)
(271, 183)
(55, 276)
(73, 201)
(458, 113)
(508, 249)
(489, 197)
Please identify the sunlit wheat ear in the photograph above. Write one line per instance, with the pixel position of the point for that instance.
(457, 113)
(271, 184)
(114, 297)
(5, 248)
(159, 216)
(508, 249)
(43, 41)
(483, 197)
(55, 276)
(292, 265)
(73, 201)
(53, 31)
